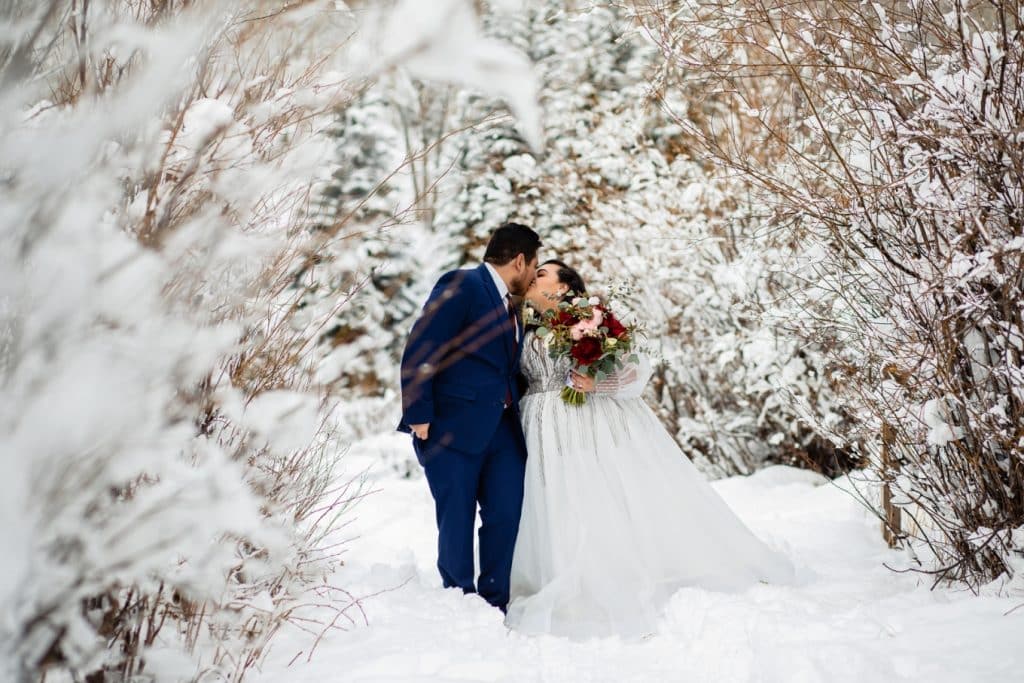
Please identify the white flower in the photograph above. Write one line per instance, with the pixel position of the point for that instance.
(610, 342)
(593, 301)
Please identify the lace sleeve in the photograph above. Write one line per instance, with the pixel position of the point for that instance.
(628, 382)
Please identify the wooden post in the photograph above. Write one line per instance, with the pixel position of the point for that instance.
(891, 527)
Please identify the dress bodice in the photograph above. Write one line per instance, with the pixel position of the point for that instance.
(543, 372)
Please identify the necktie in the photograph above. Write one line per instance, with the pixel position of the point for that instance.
(512, 319)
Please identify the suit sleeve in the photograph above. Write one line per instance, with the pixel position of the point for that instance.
(442, 319)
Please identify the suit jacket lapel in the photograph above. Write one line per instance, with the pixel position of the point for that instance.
(501, 306)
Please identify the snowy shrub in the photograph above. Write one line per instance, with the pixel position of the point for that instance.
(886, 141)
(169, 475)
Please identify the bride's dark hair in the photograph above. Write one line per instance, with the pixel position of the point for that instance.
(568, 276)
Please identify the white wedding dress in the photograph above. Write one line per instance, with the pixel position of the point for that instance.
(615, 517)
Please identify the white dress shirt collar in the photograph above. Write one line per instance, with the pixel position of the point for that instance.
(498, 282)
(503, 293)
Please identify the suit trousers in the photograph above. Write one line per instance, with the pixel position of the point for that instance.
(493, 479)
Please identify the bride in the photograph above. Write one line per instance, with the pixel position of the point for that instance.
(615, 517)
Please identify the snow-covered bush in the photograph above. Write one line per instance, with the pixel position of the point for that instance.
(168, 474)
(886, 140)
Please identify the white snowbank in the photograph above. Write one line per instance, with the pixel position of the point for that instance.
(851, 619)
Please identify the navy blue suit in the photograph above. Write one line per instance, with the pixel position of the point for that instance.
(459, 374)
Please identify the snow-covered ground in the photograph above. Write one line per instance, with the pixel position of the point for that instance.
(850, 619)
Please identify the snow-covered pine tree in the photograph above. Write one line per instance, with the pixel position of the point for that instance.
(363, 258)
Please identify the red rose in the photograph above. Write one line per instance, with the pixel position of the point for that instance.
(586, 351)
(565, 319)
(615, 328)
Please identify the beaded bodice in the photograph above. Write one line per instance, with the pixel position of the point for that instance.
(543, 372)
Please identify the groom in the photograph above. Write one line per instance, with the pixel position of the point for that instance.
(460, 401)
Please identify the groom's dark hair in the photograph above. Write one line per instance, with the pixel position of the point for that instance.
(509, 241)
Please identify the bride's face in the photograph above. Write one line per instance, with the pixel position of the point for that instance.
(546, 290)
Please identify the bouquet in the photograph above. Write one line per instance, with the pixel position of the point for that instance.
(588, 333)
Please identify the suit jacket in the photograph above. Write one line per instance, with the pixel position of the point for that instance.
(460, 364)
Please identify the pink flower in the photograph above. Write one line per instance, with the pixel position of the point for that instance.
(587, 328)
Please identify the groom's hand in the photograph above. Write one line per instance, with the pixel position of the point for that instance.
(421, 431)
